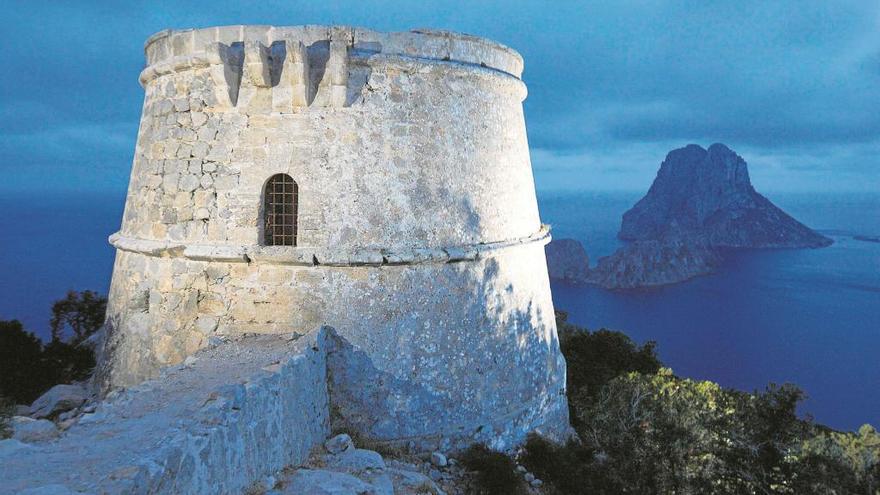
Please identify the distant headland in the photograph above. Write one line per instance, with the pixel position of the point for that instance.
(700, 201)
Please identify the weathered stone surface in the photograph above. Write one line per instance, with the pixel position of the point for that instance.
(31, 430)
(321, 482)
(219, 426)
(418, 234)
(57, 400)
(567, 260)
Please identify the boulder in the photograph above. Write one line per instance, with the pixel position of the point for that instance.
(29, 430)
(567, 260)
(58, 399)
(338, 443)
(438, 459)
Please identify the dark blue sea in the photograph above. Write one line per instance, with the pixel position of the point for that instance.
(810, 317)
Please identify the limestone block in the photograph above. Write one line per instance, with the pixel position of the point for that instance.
(189, 182)
(198, 119)
(292, 89)
(334, 83)
(211, 304)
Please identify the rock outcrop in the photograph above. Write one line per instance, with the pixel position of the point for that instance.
(567, 260)
(651, 263)
(707, 194)
(59, 399)
(700, 201)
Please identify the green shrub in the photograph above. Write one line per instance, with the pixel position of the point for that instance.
(570, 468)
(22, 374)
(594, 358)
(28, 368)
(7, 409)
(495, 472)
(645, 430)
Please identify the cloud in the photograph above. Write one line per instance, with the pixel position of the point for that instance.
(609, 82)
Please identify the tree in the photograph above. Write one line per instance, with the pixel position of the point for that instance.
(28, 368)
(22, 377)
(81, 312)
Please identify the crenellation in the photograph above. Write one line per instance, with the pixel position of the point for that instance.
(257, 65)
(292, 90)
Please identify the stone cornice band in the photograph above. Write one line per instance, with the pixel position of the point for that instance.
(309, 256)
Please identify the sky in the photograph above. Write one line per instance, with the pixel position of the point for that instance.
(792, 86)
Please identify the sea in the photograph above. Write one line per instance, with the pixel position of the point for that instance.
(808, 317)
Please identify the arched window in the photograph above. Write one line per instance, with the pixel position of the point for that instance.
(280, 204)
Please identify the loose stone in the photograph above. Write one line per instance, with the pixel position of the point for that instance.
(339, 443)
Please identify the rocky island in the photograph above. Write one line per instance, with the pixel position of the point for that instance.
(700, 201)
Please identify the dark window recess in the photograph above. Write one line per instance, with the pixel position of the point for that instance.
(280, 205)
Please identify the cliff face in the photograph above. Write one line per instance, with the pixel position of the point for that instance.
(651, 263)
(567, 260)
(707, 194)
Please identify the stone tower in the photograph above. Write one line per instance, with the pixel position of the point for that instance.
(287, 178)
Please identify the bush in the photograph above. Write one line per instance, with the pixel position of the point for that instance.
(22, 375)
(28, 368)
(645, 430)
(569, 468)
(495, 472)
(7, 409)
(594, 358)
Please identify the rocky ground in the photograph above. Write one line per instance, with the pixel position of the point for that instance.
(217, 413)
(339, 467)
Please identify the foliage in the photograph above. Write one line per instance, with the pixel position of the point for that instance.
(594, 358)
(846, 453)
(7, 408)
(28, 368)
(495, 472)
(648, 431)
(80, 312)
(573, 467)
(22, 375)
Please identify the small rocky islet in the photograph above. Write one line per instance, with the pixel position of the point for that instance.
(702, 201)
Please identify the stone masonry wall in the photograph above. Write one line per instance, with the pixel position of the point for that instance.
(419, 236)
(239, 414)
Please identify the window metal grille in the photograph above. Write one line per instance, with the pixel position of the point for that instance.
(280, 205)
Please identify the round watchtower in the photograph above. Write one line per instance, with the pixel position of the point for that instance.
(287, 178)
